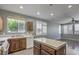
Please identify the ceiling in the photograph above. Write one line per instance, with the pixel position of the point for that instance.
(61, 11)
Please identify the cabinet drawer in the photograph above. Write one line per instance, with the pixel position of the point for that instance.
(36, 43)
(44, 52)
(48, 49)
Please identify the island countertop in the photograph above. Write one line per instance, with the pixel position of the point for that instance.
(52, 43)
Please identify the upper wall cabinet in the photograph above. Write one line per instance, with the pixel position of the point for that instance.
(29, 26)
(1, 24)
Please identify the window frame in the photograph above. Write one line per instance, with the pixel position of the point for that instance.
(17, 21)
(75, 31)
(42, 24)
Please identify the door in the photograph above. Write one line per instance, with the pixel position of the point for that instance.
(29, 26)
(14, 45)
(22, 43)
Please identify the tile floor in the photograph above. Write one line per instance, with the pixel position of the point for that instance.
(72, 47)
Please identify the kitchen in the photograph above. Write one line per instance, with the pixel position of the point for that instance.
(32, 30)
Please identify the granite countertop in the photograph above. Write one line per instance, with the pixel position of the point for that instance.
(52, 43)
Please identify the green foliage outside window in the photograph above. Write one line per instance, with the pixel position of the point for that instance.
(12, 25)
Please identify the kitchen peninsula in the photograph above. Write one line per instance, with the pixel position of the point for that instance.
(44, 46)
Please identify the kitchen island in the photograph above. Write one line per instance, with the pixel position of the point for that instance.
(44, 46)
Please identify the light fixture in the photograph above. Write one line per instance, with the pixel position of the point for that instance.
(38, 13)
(51, 14)
(69, 6)
(21, 7)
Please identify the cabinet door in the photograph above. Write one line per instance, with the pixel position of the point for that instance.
(48, 49)
(29, 26)
(36, 50)
(14, 45)
(44, 52)
(22, 43)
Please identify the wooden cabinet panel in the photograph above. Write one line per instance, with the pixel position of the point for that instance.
(43, 49)
(44, 52)
(61, 51)
(37, 47)
(29, 26)
(17, 44)
(36, 50)
(22, 44)
(14, 45)
(47, 49)
(1, 24)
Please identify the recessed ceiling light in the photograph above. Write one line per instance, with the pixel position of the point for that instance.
(69, 6)
(21, 7)
(51, 14)
(38, 13)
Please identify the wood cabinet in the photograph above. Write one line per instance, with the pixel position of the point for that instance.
(14, 45)
(44, 49)
(17, 44)
(1, 24)
(29, 26)
(37, 48)
(43, 52)
(22, 44)
(61, 51)
(48, 49)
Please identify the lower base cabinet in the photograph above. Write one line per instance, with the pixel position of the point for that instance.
(36, 50)
(16, 44)
(22, 44)
(61, 51)
(43, 52)
(42, 49)
(48, 49)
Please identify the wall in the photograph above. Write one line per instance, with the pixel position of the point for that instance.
(4, 14)
(53, 31)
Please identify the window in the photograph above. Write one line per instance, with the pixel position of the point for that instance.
(59, 29)
(15, 25)
(67, 29)
(70, 29)
(41, 28)
(76, 28)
